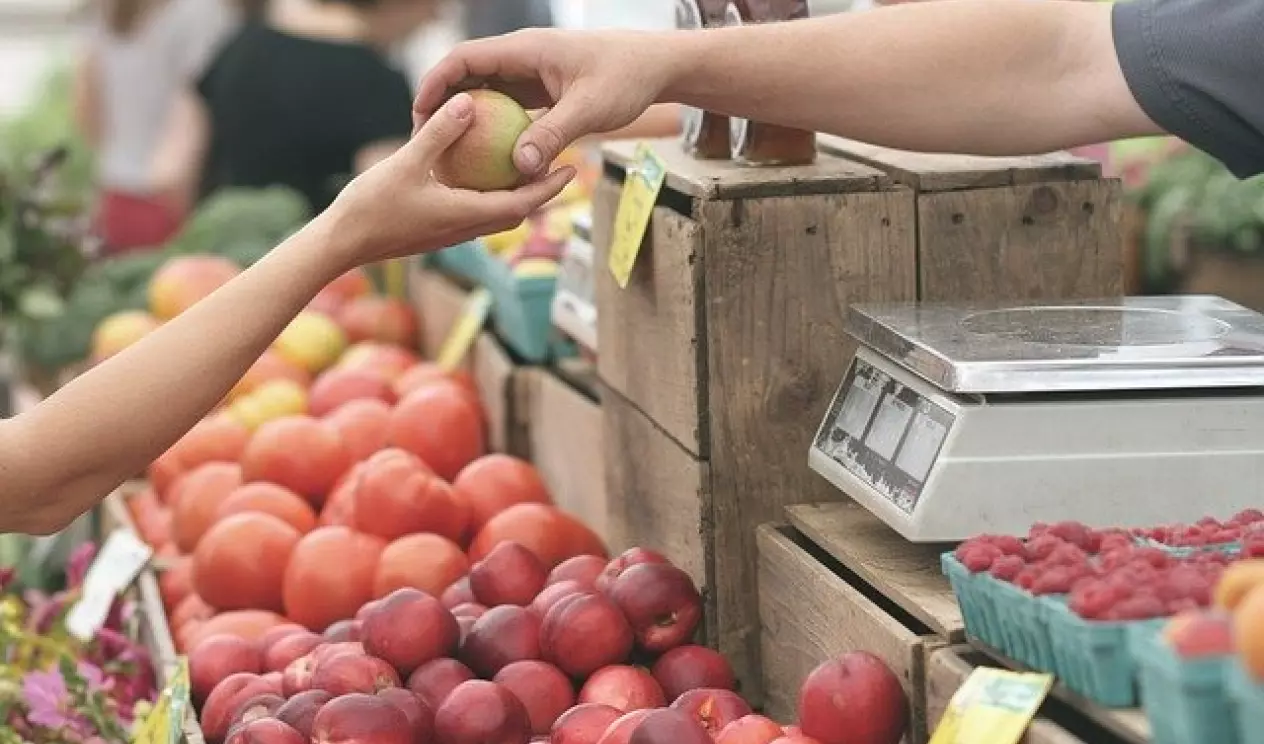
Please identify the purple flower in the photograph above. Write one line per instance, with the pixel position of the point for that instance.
(47, 700)
(78, 563)
(7, 575)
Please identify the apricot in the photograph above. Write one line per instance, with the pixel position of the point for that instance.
(1248, 631)
(1236, 581)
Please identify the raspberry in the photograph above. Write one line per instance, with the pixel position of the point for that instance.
(1152, 556)
(1039, 547)
(1027, 577)
(1115, 558)
(1253, 547)
(1073, 532)
(1067, 555)
(1182, 604)
(1092, 600)
(1141, 606)
(1227, 535)
(1037, 529)
(969, 545)
(1007, 567)
(1247, 516)
(1208, 522)
(1115, 541)
(979, 557)
(1058, 579)
(1010, 545)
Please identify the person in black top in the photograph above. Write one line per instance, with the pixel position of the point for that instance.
(302, 96)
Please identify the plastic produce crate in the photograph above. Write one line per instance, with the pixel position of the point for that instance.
(1186, 700)
(522, 313)
(1246, 697)
(468, 261)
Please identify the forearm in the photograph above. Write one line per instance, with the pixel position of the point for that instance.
(660, 120)
(977, 76)
(104, 427)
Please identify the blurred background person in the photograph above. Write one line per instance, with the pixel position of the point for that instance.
(137, 57)
(304, 95)
(495, 17)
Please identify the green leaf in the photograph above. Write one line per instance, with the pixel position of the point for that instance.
(40, 303)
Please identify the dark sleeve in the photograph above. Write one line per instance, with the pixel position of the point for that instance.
(1195, 67)
(384, 109)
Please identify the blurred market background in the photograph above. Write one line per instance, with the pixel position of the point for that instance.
(1191, 227)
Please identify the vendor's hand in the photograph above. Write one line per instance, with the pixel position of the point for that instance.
(590, 82)
(398, 208)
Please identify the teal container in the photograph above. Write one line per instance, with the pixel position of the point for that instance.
(1246, 699)
(976, 604)
(522, 313)
(1092, 657)
(1186, 700)
(468, 261)
(1026, 620)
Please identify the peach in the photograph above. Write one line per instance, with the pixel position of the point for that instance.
(661, 604)
(482, 158)
(750, 729)
(266, 731)
(183, 281)
(362, 425)
(854, 699)
(301, 709)
(290, 648)
(1236, 581)
(582, 569)
(1197, 633)
(629, 558)
(420, 716)
(335, 388)
(258, 706)
(119, 331)
(544, 691)
(217, 657)
(688, 668)
(386, 359)
(620, 732)
(669, 727)
(795, 739)
(409, 628)
(224, 699)
(627, 688)
(377, 318)
(584, 724)
(553, 593)
(500, 637)
(713, 709)
(1248, 632)
(435, 680)
(361, 719)
(509, 575)
(458, 593)
(480, 712)
(346, 673)
(343, 630)
(585, 633)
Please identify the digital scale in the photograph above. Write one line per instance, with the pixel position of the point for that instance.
(958, 420)
(574, 310)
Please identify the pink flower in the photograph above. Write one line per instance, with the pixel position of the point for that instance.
(78, 563)
(46, 700)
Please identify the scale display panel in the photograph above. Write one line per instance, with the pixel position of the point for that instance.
(885, 433)
(574, 309)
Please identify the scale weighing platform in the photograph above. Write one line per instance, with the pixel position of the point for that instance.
(958, 420)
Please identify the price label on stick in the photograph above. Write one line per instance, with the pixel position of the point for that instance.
(457, 345)
(636, 203)
(113, 570)
(164, 724)
(994, 706)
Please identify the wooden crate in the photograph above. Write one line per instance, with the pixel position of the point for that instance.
(564, 438)
(1056, 723)
(837, 580)
(438, 301)
(155, 634)
(1041, 227)
(724, 350)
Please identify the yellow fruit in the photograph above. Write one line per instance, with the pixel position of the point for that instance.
(536, 267)
(312, 341)
(504, 243)
(272, 400)
(119, 331)
(1236, 581)
(482, 158)
(1248, 635)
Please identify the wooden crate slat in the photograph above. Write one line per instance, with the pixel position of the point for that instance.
(504, 396)
(908, 573)
(926, 171)
(438, 302)
(566, 447)
(728, 180)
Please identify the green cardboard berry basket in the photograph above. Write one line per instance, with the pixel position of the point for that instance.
(522, 313)
(1246, 698)
(1095, 658)
(1186, 701)
(468, 261)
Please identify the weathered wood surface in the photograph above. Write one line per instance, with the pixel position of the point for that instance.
(566, 445)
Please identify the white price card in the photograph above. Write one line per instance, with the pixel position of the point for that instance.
(115, 568)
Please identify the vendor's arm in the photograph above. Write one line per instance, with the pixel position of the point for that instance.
(979, 76)
(60, 458)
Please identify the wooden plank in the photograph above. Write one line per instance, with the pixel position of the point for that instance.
(504, 395)
(723, 179)
(658, 492)
(926, 171)
(1129, 724)
(779, 276)
(651, 349)
(1026, 242)
(438, 302)
(566, 446)
(948, 669)
(810, 614)
(908, 573)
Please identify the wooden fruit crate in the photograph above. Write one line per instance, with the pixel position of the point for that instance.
(565, 441)
(720, 357)
(1057, 722)
(155, 634)
(837, 580)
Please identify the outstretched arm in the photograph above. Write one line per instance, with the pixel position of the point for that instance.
(60, 458)
(977, 76)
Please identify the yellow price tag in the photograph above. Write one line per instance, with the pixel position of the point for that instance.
(467, 327)
(994, 706)
(636, 203)
(164, 724)
(396, 273)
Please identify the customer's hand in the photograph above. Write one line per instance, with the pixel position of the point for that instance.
(398, 208)
(590, 82)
